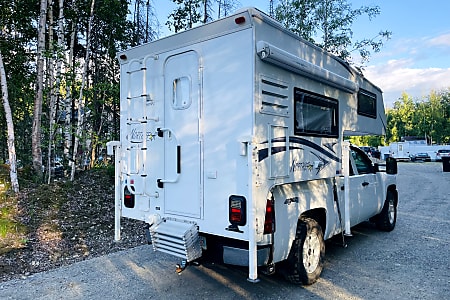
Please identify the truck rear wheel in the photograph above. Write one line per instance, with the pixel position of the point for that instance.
(305, 261)
(387, 218)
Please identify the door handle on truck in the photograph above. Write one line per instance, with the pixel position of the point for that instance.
(365, 183)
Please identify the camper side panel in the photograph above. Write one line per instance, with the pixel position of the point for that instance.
(228, 116)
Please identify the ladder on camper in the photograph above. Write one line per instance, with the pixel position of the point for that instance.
(139, 115)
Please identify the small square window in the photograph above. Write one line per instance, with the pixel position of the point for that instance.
(181, 93)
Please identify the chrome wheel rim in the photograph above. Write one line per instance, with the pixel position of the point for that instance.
(391, 211)
(311, 253)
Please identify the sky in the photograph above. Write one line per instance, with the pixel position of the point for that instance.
(416, 59)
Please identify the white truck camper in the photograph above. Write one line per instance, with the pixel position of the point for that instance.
(232, 147)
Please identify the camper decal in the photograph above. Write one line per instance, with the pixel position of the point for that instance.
(309, 166)
(297, 143)
(301, 166)
(137, 136)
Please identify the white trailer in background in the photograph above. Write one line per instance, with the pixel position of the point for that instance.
(231, 146)
(407, 149)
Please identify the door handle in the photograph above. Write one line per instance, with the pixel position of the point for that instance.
(365, 183)
(170, 135)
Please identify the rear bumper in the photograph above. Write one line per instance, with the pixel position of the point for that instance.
(239, 257)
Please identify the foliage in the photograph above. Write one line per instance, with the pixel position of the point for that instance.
(12, 231)
(189, 13)
(185, 15)
(118, 24)
(367, 140)
(328, 23)
(428, 117)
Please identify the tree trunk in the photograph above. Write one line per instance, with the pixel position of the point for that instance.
(81, 109)
(36, 130)
(10, 128)
(68, 107)
(51, 83)
(57, 79)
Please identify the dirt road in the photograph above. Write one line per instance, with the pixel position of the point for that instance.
(411, 262)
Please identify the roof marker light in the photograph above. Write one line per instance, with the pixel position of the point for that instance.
(239, 20)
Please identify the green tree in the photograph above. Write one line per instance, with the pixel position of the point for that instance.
(17, 29)
(145, 25)
(328, 23)
(427, 117)
(225, 7)
(185, 15)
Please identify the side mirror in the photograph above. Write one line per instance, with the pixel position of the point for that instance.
(391, 166)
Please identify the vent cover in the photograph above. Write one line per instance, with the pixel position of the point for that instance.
(274, 97)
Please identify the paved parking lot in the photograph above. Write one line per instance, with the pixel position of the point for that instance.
(411, 262)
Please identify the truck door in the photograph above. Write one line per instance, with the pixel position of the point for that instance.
(182, 184)
(363, 187)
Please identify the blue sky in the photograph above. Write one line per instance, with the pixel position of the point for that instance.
(416, 59)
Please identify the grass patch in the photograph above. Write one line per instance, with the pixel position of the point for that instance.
(12, 232)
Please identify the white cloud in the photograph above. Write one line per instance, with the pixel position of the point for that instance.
(398, 76)
(415, 66)
(441, 40)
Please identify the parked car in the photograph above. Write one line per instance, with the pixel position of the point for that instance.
(422, 156)
(371, 151)
(442, 153)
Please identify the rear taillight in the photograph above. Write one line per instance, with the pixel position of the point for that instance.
(269, 221)
(237, 214)
(128, 198)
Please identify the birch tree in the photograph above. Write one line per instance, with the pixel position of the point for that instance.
(10, 128)
(70, 77)
(36, 130)
(81, 108)
(55, 79)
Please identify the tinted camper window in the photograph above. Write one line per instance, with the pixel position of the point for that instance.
(314, 114)
(367, 104)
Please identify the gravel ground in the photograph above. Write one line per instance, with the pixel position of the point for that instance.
(66, 222)
(411, 262)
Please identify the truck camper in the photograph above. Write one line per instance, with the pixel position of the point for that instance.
(232, 146)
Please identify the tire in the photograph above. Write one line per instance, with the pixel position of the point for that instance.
(387, 218)
(305, 261)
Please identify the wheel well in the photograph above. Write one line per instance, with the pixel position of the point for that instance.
(318, 214)
(393, 190)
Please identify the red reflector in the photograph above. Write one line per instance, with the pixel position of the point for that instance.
(235, 218)
(269, 222)
(239, 20)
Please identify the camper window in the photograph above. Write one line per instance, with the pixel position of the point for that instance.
(315, 114)
(367, 104)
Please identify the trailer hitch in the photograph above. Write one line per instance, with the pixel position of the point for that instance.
(183, 264)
